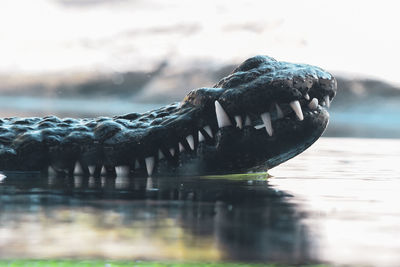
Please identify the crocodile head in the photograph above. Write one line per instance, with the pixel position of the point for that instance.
(264, 113)
(261, 115)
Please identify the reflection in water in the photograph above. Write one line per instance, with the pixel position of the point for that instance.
(335, 203)
(188, 218)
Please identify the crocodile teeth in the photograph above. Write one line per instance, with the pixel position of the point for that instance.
(313, 103)
(172, 151)
(307, 97)
(78, 168)
(201, 137)
(103, 170)
(239, 122)
(51, 170)
(149, 165)
(181, 147)
(122, 170)
(266, 118)
(279, 112)
(160, 154)
(222, 118)
(327, 101)
(208, 130)
(91, 169)
(190, 140)
(247, 121)
(297, 109)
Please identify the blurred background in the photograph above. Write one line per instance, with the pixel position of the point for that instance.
(98, 57)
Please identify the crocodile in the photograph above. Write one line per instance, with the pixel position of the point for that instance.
(262, 114)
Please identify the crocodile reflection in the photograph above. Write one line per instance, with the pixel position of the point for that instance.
(241, 220)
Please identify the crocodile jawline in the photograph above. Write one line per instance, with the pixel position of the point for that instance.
(264, 113)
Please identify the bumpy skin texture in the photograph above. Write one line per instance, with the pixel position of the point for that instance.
(159, 141)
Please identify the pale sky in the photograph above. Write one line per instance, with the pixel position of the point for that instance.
(46, 36)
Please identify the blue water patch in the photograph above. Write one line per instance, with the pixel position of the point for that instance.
(72, 106)
(373, 118)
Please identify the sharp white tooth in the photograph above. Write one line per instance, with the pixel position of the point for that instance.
(51, 171)
(122, 170)
(222, 118)
(172, 151)
(279, 112)
(266, 118)
(307, 97)
(181, 147)
(259, 126)
(201, 137)
(190, 140)
(103, 170)
(118, 170)
(78, 168)
(208, 131)
(160, 154)
(297, 109)
(239, 122)
(149, 165)
(313, 103)
(91, 169)
(327, 101)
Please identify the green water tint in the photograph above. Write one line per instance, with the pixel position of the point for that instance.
(240, 176)
(98, 263)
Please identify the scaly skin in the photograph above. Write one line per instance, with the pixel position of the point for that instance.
(210, 131)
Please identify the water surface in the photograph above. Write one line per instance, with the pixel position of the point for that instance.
(335, 203)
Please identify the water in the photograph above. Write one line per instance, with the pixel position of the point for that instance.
(349, 189)
(27, 106)
(335, 203)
